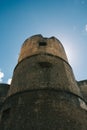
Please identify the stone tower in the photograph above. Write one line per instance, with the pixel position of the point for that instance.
(44, 94)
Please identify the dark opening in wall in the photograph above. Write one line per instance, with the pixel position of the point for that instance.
(42, 43)
(45, 64)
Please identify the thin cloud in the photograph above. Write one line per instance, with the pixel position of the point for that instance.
(86, 27)
(1, 76)
(9, 81)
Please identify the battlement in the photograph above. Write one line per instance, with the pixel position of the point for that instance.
(38, 44)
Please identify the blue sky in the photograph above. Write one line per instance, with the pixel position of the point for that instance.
(64, 19)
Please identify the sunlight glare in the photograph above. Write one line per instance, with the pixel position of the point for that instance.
(71, 53)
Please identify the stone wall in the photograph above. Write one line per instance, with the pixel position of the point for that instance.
(43, 71)
(43, 110)
(3, 92)
(39, 45)
(83, 88)
(44, 94)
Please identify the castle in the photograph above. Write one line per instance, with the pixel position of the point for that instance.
(44, 94)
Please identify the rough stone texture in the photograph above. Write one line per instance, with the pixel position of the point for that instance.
(83, 87)
(44, 94)
(43, 71)
(43, 110)
(3, 92)
(31, 47)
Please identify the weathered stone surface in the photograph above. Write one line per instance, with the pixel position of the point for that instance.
(43, 71)
(83, 87)
(3, 92)
(43, 110)
(33, 46)
(44, 94)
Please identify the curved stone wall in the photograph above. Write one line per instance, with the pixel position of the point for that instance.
(39, 45)
(43, 71)
(44, 94)
(43, 110)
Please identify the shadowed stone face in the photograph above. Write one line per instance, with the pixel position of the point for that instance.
(3, 92)
(43, 110)
(83, 87)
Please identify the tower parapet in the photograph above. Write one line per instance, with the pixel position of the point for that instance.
(39, 45)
